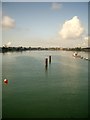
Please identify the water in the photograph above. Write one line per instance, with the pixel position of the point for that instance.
(0, 86)
(61, 91)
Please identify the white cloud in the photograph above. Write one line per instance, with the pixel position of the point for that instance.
(9, 43)
(72, 29)
(86, 42)
(86, 38)
(0, 14)
(8, 22)
(56, 6)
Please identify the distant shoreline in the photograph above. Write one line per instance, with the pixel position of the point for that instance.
(18, 49)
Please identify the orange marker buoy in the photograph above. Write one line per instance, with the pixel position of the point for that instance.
(6, 81)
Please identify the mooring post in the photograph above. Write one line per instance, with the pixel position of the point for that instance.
(46, 62)
(49, 59)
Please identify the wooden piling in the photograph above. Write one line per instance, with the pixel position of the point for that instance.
(49, 59)
(46, 62)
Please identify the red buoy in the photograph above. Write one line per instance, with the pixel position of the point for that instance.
(6, 81)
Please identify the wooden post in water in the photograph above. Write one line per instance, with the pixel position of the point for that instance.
(49, 59)
(46, 63)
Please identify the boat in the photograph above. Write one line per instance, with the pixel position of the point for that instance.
(75, 54)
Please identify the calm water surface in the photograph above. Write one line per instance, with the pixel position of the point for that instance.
(61, 91)
(0, 86)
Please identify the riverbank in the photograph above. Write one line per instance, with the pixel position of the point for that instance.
(17, 49)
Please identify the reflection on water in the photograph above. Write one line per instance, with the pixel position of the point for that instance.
(58, 91)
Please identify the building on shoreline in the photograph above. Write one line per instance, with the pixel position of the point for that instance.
(18, 49)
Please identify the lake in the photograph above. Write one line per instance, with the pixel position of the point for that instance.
(60, 91)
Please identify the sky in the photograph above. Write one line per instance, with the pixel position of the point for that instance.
(45, 24)
(45, 0)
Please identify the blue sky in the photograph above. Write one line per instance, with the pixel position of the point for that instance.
(46, 0)
(39, 24)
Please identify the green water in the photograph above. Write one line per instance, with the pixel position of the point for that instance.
(61, 91)
(0, 86)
